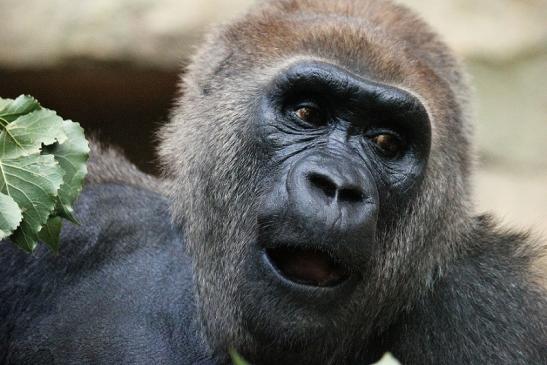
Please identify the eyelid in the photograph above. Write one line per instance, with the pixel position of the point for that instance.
(379, 131)
(306, 104)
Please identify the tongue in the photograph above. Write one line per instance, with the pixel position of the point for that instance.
(307, 266)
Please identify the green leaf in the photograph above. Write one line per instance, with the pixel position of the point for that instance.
(33, 182)
(27, 133)
(41, 172)
(51, 232)
(5, 102)
(236, 358)
(10, 216)
(13, 109)
(72, 156)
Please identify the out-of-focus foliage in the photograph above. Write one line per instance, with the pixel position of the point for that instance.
(387, 359)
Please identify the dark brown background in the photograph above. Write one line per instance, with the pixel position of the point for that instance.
(120, 105)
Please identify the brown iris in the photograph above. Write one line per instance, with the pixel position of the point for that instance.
(388, 144)
(310, 115)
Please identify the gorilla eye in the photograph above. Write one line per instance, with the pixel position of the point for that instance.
(389, 145)
(310, 114)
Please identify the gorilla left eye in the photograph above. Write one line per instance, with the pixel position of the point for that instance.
(310, 114)
(389, 145)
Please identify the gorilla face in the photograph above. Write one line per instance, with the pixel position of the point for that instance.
(344, 155)
(313, 193)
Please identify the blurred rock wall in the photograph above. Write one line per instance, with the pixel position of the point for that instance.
(112, 64)
(504, 46)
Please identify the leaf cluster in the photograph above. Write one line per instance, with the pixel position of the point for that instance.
(42, 170)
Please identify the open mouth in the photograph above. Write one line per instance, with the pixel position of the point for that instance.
(307, 266)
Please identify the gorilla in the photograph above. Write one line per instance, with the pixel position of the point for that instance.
(315, 209)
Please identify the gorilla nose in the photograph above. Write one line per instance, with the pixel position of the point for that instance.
(332, 192)
(335, 187)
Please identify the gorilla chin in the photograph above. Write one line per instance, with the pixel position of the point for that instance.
(299, 295)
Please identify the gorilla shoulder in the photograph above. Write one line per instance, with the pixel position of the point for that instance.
(113, 293)
(489, 295)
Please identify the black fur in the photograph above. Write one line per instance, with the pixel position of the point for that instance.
(120, 290)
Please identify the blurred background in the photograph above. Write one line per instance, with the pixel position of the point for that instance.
(113, 66)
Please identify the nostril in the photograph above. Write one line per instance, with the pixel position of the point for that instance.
(350, 195)
(323, 183)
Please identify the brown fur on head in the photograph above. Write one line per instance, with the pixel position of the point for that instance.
(209, 150)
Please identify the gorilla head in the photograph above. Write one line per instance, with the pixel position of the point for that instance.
(320, 157)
